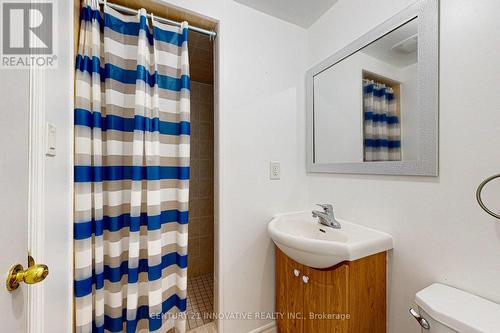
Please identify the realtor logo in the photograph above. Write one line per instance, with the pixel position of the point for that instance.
(27, 34)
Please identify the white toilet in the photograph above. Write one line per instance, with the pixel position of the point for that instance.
(444, 309)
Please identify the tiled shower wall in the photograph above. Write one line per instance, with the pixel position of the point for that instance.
(201, 185)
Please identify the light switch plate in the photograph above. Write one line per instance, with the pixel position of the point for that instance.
(274, 170)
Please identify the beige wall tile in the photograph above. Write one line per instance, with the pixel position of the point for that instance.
(206, 112)
(194, 170)
(194, 265)
(207, 93)
(201, 191)
(206, 188)
(207, 226)
(206, 246)
(207, 207)
(206, 265)
(194, 227)
(194, 247)
(206, 131)
(206, 149)
(196, 109)
(206, 169)
(194, 193)
(195, 132)
(201, 59)
(194, 205)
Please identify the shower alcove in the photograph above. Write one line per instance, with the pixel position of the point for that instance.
(201, 273)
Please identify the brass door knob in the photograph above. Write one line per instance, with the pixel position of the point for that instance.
(33, 274)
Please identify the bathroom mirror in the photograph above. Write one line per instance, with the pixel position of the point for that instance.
(372, 107)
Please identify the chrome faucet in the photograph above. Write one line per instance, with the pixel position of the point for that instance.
(326, 217)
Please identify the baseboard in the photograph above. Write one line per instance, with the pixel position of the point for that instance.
(267, 328)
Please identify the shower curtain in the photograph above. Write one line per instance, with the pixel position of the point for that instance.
(381, 130)
(131, 174)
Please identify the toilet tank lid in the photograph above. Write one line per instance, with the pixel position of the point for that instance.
(458, 309)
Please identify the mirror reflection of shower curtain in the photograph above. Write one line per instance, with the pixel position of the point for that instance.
(132, 132)
(381, 130)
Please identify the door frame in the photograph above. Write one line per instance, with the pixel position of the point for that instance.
(36, 203)
(39, 98)
(37, 143)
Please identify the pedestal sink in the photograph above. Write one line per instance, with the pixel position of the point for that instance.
(303, 239)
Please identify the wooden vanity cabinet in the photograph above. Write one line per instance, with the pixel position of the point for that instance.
(347, 298)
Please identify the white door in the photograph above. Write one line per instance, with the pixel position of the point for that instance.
(14, 106)
(46, 228)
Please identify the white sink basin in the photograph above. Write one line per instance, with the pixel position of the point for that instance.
(303, 239)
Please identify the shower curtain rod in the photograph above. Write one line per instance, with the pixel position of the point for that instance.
(211, 34)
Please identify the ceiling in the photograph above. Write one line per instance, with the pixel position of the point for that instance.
(299, 12)
(382, 48)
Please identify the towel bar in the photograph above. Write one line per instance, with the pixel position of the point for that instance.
(480, 200)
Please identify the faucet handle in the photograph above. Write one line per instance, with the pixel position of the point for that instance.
(326, 207)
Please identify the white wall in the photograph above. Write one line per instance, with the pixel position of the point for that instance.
(441, 235)
(338, 112)
(260, 85)
(409, 113)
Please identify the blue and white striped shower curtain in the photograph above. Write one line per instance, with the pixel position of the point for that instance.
(131, 173)
(381, 130)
